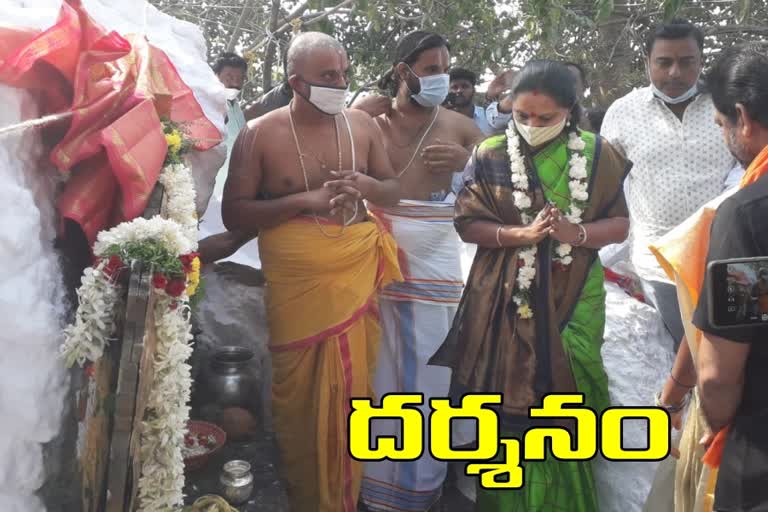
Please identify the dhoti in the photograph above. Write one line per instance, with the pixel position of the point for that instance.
(416, 316)
(324, 333)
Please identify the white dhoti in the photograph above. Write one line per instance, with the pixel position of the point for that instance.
(416, 316)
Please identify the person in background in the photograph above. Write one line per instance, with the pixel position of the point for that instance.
(231, 70)
(680, 160)
(277, 97)
(426, 144)
(324, 259)
(461, 98)
(732, 380)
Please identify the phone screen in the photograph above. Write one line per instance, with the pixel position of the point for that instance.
(738, 292)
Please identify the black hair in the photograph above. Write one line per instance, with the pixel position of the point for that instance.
(408, 50)
(230, 59)
(675, 29)
(596, 116)
(553, 79)
(463, 74)
(581, 70)
(740, 75)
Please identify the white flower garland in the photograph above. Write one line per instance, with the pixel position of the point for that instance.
(165, 231)
(94, 325)
(180, 191)
(162, 464)
(161, 483)
(578, 184)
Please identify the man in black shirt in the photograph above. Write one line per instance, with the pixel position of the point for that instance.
(733, 362)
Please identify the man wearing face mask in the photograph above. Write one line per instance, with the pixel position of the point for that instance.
(680, 160)
(427, 144)
(298, 176)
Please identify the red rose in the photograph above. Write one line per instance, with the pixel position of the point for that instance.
(159, 281)
(176, 287)
(186, 262)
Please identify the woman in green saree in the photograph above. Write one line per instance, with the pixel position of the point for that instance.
(541, 201)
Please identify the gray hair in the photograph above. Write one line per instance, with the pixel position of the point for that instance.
(304, 44)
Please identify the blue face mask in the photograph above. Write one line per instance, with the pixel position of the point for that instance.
(432, 89)
(690, 93)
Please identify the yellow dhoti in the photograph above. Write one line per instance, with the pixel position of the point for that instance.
(324, 333)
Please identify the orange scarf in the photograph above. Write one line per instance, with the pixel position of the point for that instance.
(756, 170)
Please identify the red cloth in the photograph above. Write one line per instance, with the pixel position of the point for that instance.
(117, 88)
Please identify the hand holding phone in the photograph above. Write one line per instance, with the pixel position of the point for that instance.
(738, 292)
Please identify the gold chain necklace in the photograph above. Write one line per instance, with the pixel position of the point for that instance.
(424, 136)
(340, 163)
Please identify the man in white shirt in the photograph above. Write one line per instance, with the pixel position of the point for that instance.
(461, 98)
(680, 159)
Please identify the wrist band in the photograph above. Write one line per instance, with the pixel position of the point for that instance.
(498, 232)
(679, 383)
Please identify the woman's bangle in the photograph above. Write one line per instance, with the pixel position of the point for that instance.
(582, 238)
(671, 408)
(498, 237)
(678, 383)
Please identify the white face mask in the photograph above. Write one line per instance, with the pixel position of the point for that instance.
(690, 93)
(432, 89)
(232, 94)
(535, 136)
(328, 100)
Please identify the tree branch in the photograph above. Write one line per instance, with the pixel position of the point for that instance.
(298, 11)
(288, 25)
(730, 29)
(269, 57)
(236, 32)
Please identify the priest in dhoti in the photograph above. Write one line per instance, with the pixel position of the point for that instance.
(426, 144)
(325, 261)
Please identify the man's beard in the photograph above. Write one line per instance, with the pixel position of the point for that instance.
(737, 149)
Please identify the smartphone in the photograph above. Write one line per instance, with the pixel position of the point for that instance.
(738, 292)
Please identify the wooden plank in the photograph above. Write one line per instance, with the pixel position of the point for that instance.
(137, 308)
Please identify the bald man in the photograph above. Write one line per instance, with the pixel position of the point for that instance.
(427, 144)
(299, 176)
